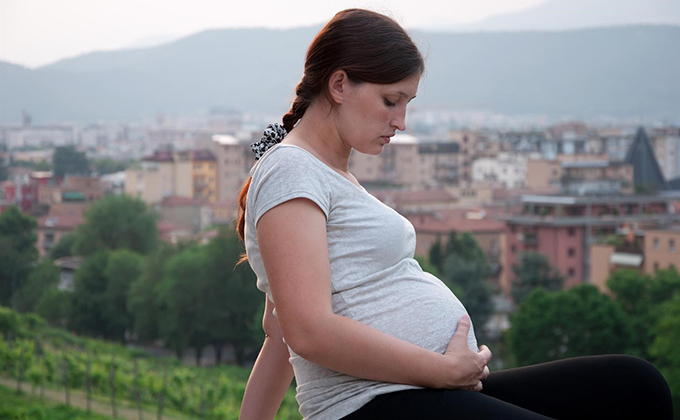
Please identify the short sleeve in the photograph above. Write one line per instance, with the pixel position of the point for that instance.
(285, 174)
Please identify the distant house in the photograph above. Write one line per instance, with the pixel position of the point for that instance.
(68, 266)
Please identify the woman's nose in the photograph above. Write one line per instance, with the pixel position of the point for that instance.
(399, 122)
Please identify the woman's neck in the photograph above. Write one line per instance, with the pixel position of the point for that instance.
(318, 134)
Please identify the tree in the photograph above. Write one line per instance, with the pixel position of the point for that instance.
(43, 277)
(665, 284)
(465, 269)
(180, 304)
(578, 322)
(436, 256)
(108, 166)
(232, 300)
(666, 343)
(122, 269)
(64, 247)
(3, 169)
(534, 271)
(117, 222)
(205, 300)
(17, 251)
(87, 315)
(55, 306)
(640, 296)
(143, 302)
(68, 161)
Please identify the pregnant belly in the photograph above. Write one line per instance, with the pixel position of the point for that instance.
(414, 307)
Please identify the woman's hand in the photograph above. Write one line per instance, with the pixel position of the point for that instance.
(466, 369)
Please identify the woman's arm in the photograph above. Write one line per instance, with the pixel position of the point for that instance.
(294, 248)
(271, 374)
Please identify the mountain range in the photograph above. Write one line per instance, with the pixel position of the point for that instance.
(623, 71)
(576, 14)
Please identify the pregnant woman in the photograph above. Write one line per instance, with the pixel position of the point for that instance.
(349, 312)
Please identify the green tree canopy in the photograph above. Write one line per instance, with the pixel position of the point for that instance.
(40, 279)
(122, 269)
(205, 300)
(3, 169)
(17, 251)
(68, 161)
(143, 302)
(64, 247)
(55, 306)
(578, 322)
(89, 297)
(117, 222)
(534, 270)
(180, 302)
(640, 296)
(232, 300)
(108, 166)
(664, 348)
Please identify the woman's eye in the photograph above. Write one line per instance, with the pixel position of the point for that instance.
(389, 103)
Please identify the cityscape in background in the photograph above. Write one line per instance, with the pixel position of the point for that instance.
(563, 191)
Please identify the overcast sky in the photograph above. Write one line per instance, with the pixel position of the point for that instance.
(38, 32)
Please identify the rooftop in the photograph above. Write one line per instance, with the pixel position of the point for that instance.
(226, 140)
(608, 199)
(608, 220)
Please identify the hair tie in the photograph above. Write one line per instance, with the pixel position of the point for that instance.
(271, 136)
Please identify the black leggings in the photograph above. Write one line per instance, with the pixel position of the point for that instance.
(591, 387)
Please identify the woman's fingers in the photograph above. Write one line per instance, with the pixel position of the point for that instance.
(485, 373)
(459, 339)
(485, 353)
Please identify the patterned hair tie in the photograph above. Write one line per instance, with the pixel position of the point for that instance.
(272, 136)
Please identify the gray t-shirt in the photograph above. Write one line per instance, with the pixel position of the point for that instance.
(374, 278)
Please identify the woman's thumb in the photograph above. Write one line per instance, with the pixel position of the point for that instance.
(463, 327)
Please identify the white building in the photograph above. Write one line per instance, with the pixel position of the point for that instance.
(16, 137)
(508, 170)
(667, 151)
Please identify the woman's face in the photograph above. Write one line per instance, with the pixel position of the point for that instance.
(371, 113)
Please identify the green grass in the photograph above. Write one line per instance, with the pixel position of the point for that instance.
(25, 407)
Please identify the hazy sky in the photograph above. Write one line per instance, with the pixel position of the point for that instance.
(38, 32)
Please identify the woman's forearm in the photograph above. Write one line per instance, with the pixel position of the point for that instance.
(268, 382)
(350, 347)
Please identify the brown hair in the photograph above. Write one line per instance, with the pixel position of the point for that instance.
(368, 46)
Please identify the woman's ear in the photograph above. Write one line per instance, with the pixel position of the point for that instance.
(338, 85)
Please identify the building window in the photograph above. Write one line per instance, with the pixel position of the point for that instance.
(513, 248)
(656, 244)
(571, 272)
(671, 245)
(571, 252)
(513, 228)
(571, 231)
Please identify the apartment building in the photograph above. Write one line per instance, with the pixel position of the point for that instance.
(662, 249)
(190, 174)
(563, 228)
(63, 218)
(409, 163)
(234, 161)
(666, 143)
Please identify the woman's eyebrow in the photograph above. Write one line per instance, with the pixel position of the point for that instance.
(405, 95)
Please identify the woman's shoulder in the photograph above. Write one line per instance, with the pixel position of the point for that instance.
(290, 159)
